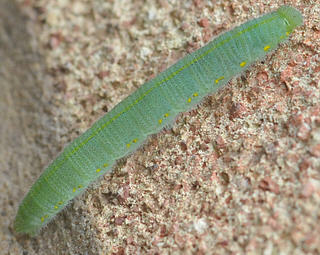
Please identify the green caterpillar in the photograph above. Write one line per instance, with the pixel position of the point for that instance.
(154, 105)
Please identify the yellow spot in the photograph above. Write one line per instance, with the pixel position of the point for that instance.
(166, 115)
(98, 170)
(189, 100)
(267, 47)
(128, 145)
(219, 79)
(60, 203)
(242, 64)
(105, 165)
(135, 140)
(55, 207)
(195, 94)
(80, 186)
(44, 217)
(74, 190)
(287, 33)
(160, 121)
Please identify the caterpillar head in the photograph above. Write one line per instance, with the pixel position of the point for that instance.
(291, 16)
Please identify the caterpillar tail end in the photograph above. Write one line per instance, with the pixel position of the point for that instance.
(21, 225)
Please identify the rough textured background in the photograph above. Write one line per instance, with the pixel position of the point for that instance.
(239, 174)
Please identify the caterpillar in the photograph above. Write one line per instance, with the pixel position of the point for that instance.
(150, 108)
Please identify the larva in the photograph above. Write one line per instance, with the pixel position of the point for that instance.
(154, 105)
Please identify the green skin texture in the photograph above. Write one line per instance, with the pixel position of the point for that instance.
(153, 106)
